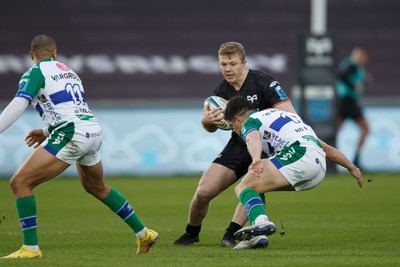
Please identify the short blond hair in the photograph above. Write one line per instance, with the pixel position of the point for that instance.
(232, 48)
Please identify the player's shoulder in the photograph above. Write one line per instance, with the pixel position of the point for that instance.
(261, 76)
(34, 70)
(39, 67)
(223, 84)
(262, 79)
(253, 122)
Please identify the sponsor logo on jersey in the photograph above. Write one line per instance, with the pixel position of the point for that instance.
(62, 66)
(23, 83)
(47, 107)
(277, 139)
(83, 110)
(273, 84)
(280, 92)
(96, 134)
(267, 135)
(251, 98)
(59, 138)
(320, 164)
(63, 76)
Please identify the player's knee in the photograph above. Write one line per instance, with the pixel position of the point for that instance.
(204, 194)
(14, 185)
(17, 184)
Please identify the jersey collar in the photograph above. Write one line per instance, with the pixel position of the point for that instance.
(46, 59)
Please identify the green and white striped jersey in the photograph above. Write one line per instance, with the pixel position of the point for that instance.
(278, 129)
(55, 91)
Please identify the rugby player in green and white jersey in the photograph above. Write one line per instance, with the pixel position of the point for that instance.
(297, 160)
(72, 135)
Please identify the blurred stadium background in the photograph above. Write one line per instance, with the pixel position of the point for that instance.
(147, 67)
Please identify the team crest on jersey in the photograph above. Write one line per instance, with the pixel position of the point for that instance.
(23, 83)
(251, 98)
(42, 98)
(62, 66)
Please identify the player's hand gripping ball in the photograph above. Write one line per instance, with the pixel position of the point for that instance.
(218, 102)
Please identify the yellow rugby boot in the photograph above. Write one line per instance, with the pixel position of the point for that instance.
(145, 243)
(24, 253)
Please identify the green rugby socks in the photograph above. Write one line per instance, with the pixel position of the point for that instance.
(118, 204)
(253, 203)
(26, 208)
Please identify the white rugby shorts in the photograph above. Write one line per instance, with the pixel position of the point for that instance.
(304, 172)
(76, 141)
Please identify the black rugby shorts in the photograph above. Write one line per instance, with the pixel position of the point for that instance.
(349, 108)
(237, 158)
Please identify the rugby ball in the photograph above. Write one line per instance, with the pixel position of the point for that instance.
(218, 102)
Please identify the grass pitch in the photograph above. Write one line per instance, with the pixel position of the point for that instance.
(335, 224)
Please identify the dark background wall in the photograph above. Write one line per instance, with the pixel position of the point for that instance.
(167, 49)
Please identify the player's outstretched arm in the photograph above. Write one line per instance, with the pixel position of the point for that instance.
(336, 156)
(12, 112)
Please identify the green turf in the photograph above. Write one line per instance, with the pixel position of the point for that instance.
(335, 224)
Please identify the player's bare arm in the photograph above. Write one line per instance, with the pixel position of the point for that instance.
(336, 156)
(286, 106)
(254, 146)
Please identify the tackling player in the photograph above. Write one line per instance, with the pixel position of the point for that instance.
(298, 161)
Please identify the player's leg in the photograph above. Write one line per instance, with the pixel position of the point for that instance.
(238, 221)
(362, 123)
(92, 180)
(340, 116)
(303, 171)
(355, 113)
(241, 216)
(214, 181)
(240, 164)
(271, 179)
(40, 167)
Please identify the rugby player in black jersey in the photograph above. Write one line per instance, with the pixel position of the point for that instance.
(263, 91)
